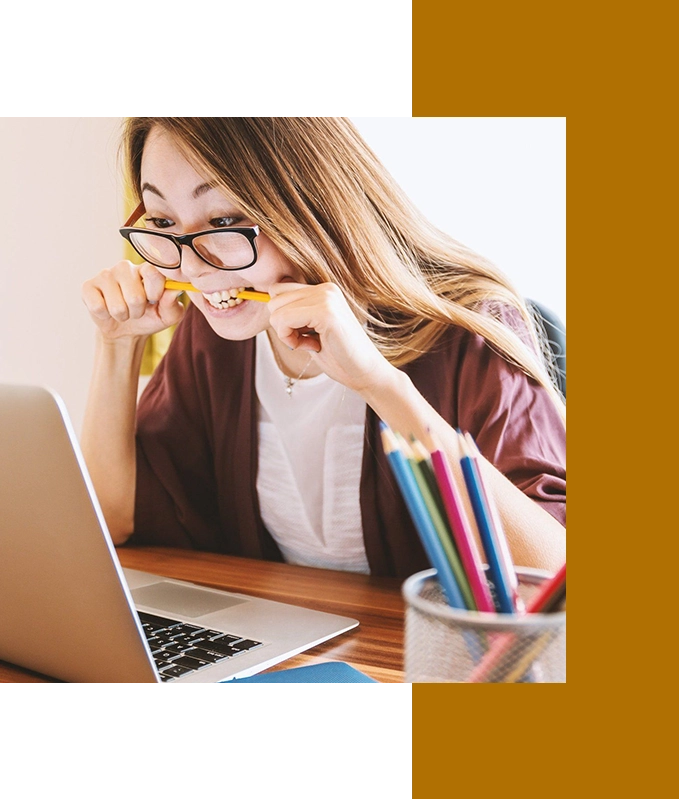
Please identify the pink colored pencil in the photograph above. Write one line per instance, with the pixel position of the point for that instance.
(464, 539)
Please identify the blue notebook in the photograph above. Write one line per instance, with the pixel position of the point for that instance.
(319, 672)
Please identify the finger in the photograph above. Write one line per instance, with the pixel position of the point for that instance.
(153, 280)
(287, 290)
(113, 297)
(310, 342)
(298, 310)
(94, 300)
(133, 292)
(170, 309)
(303, 339)
(295, 311)
(291, 324)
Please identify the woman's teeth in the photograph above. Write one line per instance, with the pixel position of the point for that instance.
(223, 299)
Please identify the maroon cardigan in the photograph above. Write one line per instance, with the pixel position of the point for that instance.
(197, 445)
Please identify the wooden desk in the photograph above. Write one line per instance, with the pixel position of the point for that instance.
(375, 647)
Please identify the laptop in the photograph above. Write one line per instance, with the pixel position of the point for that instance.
(67, 607)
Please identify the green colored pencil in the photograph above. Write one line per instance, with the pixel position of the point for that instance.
(418, 466)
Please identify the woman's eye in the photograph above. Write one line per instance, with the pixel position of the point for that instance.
(159, 222)
(223, 221)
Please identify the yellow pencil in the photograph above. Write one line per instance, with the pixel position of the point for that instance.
(175, 285)
(258, 296)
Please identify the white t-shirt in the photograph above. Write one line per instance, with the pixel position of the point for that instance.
(309, 472)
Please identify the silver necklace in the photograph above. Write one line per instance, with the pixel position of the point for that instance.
(289, 381)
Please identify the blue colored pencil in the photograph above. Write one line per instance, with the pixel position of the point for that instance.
(503, 588)
(420, 516)
(506, 563)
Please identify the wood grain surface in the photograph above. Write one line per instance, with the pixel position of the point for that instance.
(375, 647)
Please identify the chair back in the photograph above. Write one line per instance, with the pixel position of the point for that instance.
(555, 331)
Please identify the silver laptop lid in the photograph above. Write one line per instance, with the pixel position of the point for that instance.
(67, 609)
(66, 615)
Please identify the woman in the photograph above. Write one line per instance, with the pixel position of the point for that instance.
(258, 433)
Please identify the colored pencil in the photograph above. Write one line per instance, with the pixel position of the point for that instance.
(505, 591)
(420, 516)
(462, 533)
(550, 595)
(175, 285)
(418, 460)
(501, 649)
(258, 296)
(503, 547)
(505, 557)
(526, 660)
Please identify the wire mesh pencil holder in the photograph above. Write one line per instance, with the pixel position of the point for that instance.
(444, 644)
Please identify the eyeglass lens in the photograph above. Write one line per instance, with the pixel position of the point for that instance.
(224, 249)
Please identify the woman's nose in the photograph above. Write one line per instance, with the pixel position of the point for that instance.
(192, 266)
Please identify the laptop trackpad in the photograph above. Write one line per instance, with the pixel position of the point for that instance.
(183, 599)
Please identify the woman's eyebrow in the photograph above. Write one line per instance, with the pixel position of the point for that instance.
(203, 189)
(197, 192)
(150, 187)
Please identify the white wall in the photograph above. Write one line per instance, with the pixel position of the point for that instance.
(60, 214)
(497, 185)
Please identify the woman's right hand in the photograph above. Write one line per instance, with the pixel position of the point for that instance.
(130, 301)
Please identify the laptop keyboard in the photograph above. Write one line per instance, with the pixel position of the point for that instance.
(179, 648)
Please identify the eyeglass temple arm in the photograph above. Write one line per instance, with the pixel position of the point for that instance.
(134, 216)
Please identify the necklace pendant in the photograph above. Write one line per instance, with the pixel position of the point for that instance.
(288, 386)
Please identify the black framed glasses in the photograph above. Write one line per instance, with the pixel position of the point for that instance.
(224, 248)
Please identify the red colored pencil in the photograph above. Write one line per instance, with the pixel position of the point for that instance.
(550, 595)
(548, 599)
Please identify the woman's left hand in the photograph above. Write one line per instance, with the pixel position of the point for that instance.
(319, 319)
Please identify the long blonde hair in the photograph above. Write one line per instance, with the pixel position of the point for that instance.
(325, 200)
